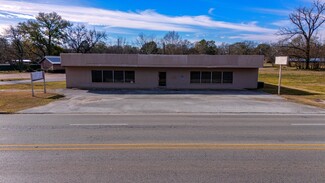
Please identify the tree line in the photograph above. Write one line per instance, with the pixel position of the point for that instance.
(50, 34)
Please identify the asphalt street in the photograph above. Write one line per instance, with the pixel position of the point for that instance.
(162, 148)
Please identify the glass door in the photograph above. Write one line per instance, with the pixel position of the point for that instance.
(162, 79)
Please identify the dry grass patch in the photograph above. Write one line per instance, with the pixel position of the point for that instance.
(13, 79)
(37, 85)
(301, 86)
(15, 101)
(9, 72)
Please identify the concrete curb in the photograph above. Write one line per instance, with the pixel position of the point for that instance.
(194, 114)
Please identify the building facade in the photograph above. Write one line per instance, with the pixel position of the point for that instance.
(126, 71)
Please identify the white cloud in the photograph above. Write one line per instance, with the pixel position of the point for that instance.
(280, 12)
(10, 15)
(211, 10)
(282, 23)
(3, 28)
(258, 37)
(143, 20)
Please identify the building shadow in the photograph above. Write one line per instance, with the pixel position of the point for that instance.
(273, 89)
(174, 92)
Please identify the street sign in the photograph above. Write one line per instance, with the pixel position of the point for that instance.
(35, 76)
(283, 60)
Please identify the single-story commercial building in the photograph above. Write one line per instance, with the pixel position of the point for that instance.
(51, 63)
(131, 71)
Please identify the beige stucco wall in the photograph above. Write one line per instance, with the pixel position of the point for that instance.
(158, 61)
(147, 78)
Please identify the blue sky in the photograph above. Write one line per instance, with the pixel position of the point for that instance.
(223, 21)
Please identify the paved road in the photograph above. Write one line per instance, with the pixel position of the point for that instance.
(162, 148)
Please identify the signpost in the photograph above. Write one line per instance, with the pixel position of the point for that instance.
(35, 76)
(283, 60)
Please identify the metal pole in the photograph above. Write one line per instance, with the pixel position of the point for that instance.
(280, 75)
(31, 79)
(44, 82)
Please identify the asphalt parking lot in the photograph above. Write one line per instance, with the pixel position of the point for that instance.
(162, 101)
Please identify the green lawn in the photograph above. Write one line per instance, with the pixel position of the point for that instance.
(298, 85)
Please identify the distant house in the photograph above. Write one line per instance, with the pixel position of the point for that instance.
(51, 63)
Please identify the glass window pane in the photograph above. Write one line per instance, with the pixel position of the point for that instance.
(108, 76)
(216, 77)
(195, 77)
(129, 77)
(118, 77)
(96, 76)
(206, 77)
(227, 77)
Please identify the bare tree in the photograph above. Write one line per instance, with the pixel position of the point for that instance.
(120, 43)
(4, 50)
(171, 43)
(18, 50)
(306, 21)
(242, 48)
(224, 49)
(82, 40)
(75, 36)
(147, 44)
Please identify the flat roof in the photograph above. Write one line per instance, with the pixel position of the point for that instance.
(161, 61)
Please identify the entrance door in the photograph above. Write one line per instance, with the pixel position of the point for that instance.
(162, 79)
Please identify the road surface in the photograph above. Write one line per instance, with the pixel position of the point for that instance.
(162, 148)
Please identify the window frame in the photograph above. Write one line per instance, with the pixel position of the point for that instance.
(221, 78)
(112, 72)
(213, 79)
(133, 78)
(113, 79)
(199, 80)
(93, 78)
(232, 77)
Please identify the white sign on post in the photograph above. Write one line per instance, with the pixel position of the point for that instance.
(283, 60)
(35, 76)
